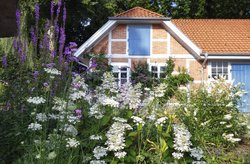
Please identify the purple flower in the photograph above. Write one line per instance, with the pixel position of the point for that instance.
(18, 17)
(45, 84)
(72, 44)
(4, 60)
(53, 54)
(78, 113)
(15, 43)
(37, 14)
(35, 75)
(61, 40)
(49, 65)
(33, 36)
(64, 15)
(52, 5)
(58, 8)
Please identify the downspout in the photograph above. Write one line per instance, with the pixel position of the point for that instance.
(203, 67)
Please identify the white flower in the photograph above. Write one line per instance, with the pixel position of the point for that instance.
(72, 143)
(120, 154)
(51, 155)
(177, 155)
(59, 104)
(110, 101)
(77, 95)
(198, 162)
(161, 121)
(95, 137)
(227, 117)
(182, 141)
(36, 100)
(52, 71)
(115, 136)
(42, 117)
(229, 126)
(119, 119)
(96, 111)
(35, 126)
(97, 162)
(159, 91)
(138, 120)
(230, 137)
(38, 156)
(69, 130)
(222, 122)
(100, 152)
(197, 153)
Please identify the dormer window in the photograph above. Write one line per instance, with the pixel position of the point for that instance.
(139, 40)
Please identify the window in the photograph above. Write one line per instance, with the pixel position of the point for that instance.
(139, 40)
(219, 69)
(121, 73)
(158, 71)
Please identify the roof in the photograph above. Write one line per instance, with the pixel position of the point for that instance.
(139, 12)
(217, 36)
(8, 18)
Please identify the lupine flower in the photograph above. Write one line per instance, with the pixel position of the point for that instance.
(15, 43)
(37, 14)
(100, 152)
(52, 5)
(4, 60)
(33, 36)
(18, 17)
(35, 75)
(64, 15)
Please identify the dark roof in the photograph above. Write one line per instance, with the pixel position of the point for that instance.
(8, 25)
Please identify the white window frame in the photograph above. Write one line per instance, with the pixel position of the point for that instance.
(158, 65)
(229, 74)
(120, 65)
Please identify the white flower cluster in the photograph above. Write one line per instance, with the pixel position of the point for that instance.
(228, 117)
(138, 120)
(159, 90)
(35, 126)
(160, 121)
(52, 71)
(109, 83)
(95, 137)
(230, 137)
(116, 139)
(196, 153)
(69, 130)
(199, 162)
(95, 111)
(100, 152)
(78, 89)
(110, 101)
(182, 141)
(119, 119)
(42, 117)
(59, 104)
(97, 162)
(72, 143)
(130, 96)
(36, 100)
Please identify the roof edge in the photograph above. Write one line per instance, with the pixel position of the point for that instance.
(140, 18)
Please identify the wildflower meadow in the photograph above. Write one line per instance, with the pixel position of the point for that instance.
(53, 110)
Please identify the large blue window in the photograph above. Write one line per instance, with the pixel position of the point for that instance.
(139, 40)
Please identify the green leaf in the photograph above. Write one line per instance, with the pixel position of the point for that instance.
(163, 145)
(132, 134)
(105, 120)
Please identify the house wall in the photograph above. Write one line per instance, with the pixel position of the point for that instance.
(163, 46)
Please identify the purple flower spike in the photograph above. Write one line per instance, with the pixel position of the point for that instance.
(52, 5)
(72, 45)
(15, 43)
(37, 12)
(4, 60)
(33, 36)
(58, 8)
(64, 15)
(18, 17)
(35, 75)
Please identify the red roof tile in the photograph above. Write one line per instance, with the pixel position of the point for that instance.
(218, 36)
(139, 12)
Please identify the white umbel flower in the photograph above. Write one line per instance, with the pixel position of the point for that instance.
(95, 137)
(161, 121)
(72, 143)
(100, 152)
(196, 153)
(120, 155)
(52, 71)
(177, 155)
(35, 126)
(36, 100)
(97, 162)
(138, 120)
(42, 117)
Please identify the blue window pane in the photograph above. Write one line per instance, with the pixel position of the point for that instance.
(139, 40)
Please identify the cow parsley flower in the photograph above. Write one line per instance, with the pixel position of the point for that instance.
(35, 126)
(97, 162)
(120, 155)
(36, 100)
(96, 111)
(182, 141)
(161, 121)
(177, 155)
(69, 130)
(99, 152)
(95, 137)
(72, 143)
(59, 104)
(196, 153)
(119, 119)
(42, 117)
(52, 71)
(138, 120)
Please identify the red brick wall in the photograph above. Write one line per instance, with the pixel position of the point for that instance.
(118, 47)
(119, 32)
(101, 47)
(177, 48)
(159, 32)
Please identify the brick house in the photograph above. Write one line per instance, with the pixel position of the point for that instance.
(205, 47)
